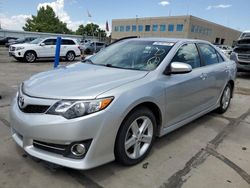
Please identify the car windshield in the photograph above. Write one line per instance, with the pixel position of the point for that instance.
(133, 54)
(36, 41)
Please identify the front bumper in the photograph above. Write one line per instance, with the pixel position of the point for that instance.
(100, 128)
(17, 54)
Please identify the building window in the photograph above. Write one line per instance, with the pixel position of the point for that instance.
(134, 28)
(171, 27)
(147, 27)
(140, 28)
(116, 28)
(179, 27)
(217, 40)
(192, 28)
(200, 29)
(162, 28)
(155, 28)
(196, 29)
(121, 28)
(127, 28)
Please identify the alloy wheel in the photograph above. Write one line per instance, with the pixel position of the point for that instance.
(138, 137)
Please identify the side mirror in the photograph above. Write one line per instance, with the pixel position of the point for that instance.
(180, 68)
(42, 44)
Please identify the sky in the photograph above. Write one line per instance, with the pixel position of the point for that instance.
(231, 13)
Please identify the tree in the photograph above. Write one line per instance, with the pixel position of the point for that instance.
(80, 30)
(46, 21)
(90, 30)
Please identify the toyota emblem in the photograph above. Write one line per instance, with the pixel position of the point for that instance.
(21, 102)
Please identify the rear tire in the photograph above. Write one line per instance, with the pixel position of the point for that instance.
(70, 56)
(135, 137)
(225, 99)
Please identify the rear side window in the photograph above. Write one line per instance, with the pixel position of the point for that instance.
(209, 54)
(188, 53)
(67, 42)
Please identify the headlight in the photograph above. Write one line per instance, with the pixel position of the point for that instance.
(19, 48)
(72, 109)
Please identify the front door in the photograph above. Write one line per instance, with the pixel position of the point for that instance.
(186, 93)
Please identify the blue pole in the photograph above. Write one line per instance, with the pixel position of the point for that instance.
(57, 55)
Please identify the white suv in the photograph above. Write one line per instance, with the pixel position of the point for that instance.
(45, 48)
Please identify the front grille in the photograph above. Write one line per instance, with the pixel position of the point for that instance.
(244, 57)
(55, 148)
(35, 109)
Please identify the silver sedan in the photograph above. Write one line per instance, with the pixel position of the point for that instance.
(114, 104)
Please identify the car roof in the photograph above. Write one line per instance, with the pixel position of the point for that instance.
(68, 38)
(172, 40)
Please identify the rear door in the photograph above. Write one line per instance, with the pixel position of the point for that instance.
(186, 94)
(216, 70)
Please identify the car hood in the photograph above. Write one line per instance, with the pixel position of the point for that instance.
(23, 45)
(78, 81)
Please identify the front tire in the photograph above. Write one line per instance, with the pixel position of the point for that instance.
(30, 57)
(70, 56)
(225, 99)
(135, 137)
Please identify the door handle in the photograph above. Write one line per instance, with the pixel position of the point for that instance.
(203, 76)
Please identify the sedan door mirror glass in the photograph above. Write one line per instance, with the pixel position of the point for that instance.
(180, 68)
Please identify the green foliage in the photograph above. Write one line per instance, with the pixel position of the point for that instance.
(90, 30)
(46, 21)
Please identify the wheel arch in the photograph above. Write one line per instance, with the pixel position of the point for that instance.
(153, 107)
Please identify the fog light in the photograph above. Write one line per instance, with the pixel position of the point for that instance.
(78, 149)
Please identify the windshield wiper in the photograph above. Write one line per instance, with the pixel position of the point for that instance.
(112, 66)
(88, 61)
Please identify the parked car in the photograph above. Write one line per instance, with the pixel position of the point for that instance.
(241, 53)
(4, 40)
(244, 34)
(20, 41)
(44, 48)
(114, 104)
(227, 50)
(92, 47)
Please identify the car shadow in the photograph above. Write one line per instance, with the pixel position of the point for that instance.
(243, 75)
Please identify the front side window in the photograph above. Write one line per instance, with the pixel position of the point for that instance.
(147, 27)
(188, 53)
(171, 27)
(208, 54)
(155, 28)
(50, 42)
(133, 54)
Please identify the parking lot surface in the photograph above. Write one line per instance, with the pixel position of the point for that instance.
(213, 151)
